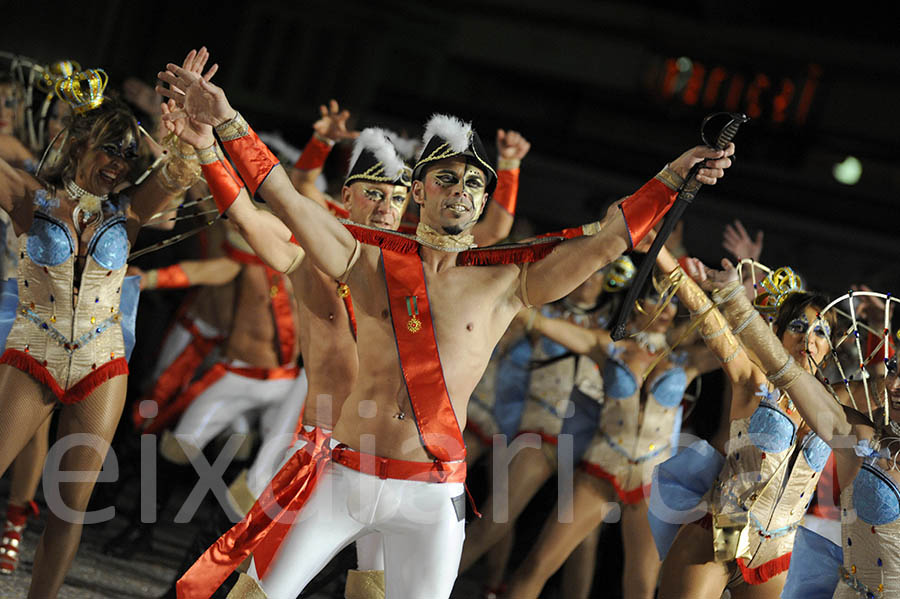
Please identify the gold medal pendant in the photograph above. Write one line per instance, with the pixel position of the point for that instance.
(413, 325)
(343, 290)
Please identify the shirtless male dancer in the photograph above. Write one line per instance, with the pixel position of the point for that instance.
(411, 295)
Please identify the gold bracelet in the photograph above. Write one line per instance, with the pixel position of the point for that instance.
(591, 228)
(210, 154)
(233, 128)
(727, 293)
(152, 279)
(670, 178)
(787, 375)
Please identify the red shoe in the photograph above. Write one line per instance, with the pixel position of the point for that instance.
(16, 518)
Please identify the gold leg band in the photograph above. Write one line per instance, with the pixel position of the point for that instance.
(246, 588)
(364, 584)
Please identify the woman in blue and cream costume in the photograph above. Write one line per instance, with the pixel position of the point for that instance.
(763, 485)
(66, 345)
(865, 452)
(644, 384)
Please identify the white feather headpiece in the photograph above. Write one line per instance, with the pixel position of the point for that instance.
(449, 128)
(376, 141)
(407, 147)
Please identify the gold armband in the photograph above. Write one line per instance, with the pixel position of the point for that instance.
(591, 228)
(296, 261)
(709, 322)
(523, 276)
(152, 279)
(670, 178)
(233, 128)
(757, 336)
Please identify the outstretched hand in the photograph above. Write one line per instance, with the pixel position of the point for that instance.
(708, 278)
(332, 123)
(511, 145)
(715, 163)
(194, 96)
(737, 241)
(190, 130)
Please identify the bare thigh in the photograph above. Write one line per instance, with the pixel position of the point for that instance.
(24, 405)
(770, 589)
(641, 558)
(689, 569)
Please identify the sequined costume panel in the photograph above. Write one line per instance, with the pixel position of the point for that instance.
(634, 436)
(777, 509)
(555, 373)
(870, 527)
(70, 349)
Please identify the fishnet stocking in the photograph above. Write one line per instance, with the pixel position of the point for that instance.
(98, 414)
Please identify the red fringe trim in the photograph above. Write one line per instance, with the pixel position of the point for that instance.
(386, 240)
(28, 364)
(766, 571)
(631, 497)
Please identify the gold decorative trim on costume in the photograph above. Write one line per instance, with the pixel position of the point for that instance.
(429, 237)
(240, 496)
(591, 228)
(670, 178)
(233, 128)
(364, 584)
(375, 172)
(210, 154)
(181, 168)
(508, 164)
(246, 588)
(171, 449)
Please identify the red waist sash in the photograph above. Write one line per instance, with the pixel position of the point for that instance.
(263, 529)
(430, 472)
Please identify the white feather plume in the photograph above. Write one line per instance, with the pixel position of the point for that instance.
(407, 147)
(449, 128)
(376, 141)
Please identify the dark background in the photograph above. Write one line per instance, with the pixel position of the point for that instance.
(589, 83)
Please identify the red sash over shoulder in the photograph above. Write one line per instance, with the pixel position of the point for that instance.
(419, 357)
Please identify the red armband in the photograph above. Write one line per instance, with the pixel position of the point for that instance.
(252, 158)
(223, 182)
(171, 277)
(507, 190)
(645, 207)
(314, 154)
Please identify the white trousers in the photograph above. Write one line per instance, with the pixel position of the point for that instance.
(278, 426)
(421, 530)
(175, 342)
(228, 398)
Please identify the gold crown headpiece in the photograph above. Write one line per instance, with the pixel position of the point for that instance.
(618, 274)
(775, 288)
(83, 91)
(55, 71)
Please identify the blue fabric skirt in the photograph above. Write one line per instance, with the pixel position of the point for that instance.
(677, 490)
(814, 567)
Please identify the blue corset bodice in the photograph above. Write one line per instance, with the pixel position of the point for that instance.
(50, 242)
(773, 431)
(876, 496)
(620, 383)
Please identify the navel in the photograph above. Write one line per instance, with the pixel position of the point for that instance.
(470, 327)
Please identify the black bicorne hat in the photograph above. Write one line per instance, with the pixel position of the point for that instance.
(375, 159)
(447, 136)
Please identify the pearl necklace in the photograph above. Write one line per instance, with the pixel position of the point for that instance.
(90, 205)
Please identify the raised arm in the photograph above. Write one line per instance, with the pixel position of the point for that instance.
(715, 332)
(327, 241)
(820, 410)
(16, 186)
(588, 342)
(573, 261)
(330, 129)
(500, 212)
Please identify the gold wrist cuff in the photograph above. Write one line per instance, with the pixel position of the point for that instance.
(323, 139)
(210, 154)
(591, 228)
(508, 164)
(233, 128)
(152, 279)
(670, 178)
